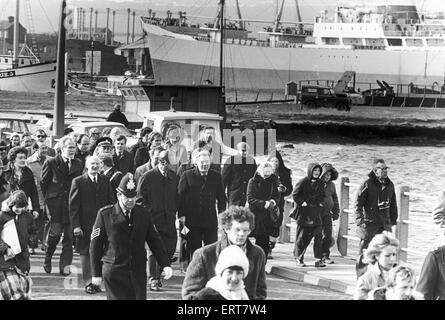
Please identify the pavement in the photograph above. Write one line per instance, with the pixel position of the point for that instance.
(339, 276)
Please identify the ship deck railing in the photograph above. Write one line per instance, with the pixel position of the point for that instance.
(403, 194)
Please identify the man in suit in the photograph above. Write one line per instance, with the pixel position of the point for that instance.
(199, 190)
(122, 159)
(57, 176)
(89, 192)
(157, 191)
(117, 249)
(236, 174)
(110, 172)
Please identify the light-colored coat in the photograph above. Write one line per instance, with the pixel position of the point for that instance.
(371, 279)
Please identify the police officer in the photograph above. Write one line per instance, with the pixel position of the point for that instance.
(118, 239)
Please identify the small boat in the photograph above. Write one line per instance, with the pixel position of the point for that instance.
(22, 70)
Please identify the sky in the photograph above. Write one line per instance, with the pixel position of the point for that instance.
(45, 12)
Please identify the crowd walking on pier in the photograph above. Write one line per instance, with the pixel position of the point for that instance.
(112, 204)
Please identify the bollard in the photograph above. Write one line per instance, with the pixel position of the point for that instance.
(285, 230)
(402, 228)
(342, 243)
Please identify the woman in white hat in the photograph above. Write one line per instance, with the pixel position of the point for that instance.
(232, 267)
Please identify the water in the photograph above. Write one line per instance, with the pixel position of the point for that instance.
(420, 168)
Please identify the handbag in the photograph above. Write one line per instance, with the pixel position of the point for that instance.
(294, 214)
(274, 214)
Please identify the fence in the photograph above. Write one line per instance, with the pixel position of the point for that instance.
(402, 228)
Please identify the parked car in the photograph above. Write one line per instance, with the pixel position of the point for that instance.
(87, 128)
(318, 96)
(10, 123)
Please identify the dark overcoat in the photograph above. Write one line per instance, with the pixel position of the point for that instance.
(115, 178)
(159, 195)
(120, 246)
(56, 184)
(141, 157)
(26, 184)
(86, 198)
(202, 268)
(236, 173)
(260, 190)
(197, 200)
(124, 163)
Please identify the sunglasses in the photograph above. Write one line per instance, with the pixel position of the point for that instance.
(40, 136)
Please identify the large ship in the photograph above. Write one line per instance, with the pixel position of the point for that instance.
(384, 40)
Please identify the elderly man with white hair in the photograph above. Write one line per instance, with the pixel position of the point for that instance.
(89, 192)
(57, 175)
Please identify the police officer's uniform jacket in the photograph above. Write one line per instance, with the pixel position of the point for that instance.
(118, 242)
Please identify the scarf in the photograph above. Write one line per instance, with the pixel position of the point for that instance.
(217, 284)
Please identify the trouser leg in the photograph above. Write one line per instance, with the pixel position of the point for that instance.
(263, 242)
(66, 257)
(194, 239)
(303, 238)
(54, 235)
(366, 233)
(317, 234)
(85, 263)
(326, 235)
(210, 235)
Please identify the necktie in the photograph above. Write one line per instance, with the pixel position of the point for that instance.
(94, 179)
(68, 162)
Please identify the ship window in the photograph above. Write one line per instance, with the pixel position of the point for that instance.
(142, 92)
(396, 42)
(22, 61)
(124, 92)
(6, 60)
(136, 93)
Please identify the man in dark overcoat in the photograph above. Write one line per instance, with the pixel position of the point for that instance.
(89, 192)
(236, 173)
(117, 240)
(57, 176)
(122, 159)
(117, 116)
(200, 190)
(157, 191)
(237, 223)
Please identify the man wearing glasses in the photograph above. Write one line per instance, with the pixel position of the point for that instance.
(40, 136)
(376, 206)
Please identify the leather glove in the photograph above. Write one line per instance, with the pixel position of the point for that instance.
(168, 272)
(78, 232)
(97, 281)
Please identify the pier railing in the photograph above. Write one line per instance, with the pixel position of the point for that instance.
(403, 195)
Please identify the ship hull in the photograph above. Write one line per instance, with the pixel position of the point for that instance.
(189, 61)
(35, 78)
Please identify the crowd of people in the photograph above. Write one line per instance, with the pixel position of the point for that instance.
(110, 203)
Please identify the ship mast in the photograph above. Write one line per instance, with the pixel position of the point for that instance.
(300, 26)
(238, 10)
(278, 17)
(221, 45)
(15, 52)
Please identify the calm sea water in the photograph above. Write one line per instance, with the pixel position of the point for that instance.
(420, 168)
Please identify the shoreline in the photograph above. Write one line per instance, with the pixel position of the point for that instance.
(363, 124)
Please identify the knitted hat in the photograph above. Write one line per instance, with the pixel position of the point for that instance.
(232, 256)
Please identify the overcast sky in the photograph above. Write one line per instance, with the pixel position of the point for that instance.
(45, 12)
